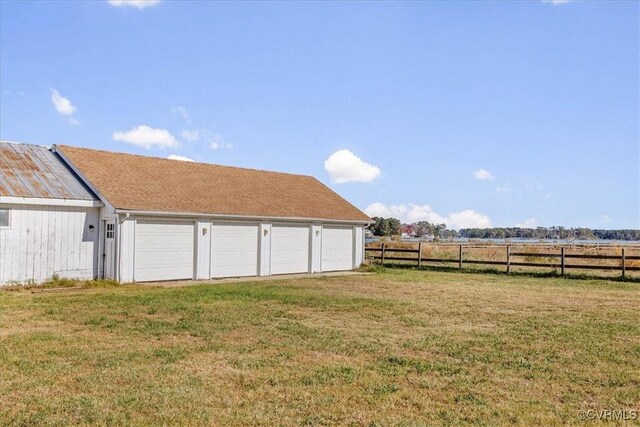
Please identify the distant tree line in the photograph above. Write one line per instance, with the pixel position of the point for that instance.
(527, 233)
(627, 234)
(424, 229)
(548, 233)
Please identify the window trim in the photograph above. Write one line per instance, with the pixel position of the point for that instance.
(8, 226)
(110, 230)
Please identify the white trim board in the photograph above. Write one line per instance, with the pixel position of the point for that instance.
(13, 200)
(240, 217)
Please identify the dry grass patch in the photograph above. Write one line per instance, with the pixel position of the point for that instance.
(396, 348)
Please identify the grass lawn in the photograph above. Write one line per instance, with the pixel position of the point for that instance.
(395, 348)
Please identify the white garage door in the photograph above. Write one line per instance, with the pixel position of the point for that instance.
(337, 248)
(289, 249)
(164, 251)
(234, 250)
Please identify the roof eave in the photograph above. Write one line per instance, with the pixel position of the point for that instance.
(42, 201)
(239, 217)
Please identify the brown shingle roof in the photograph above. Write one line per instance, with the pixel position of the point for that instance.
(160, 185)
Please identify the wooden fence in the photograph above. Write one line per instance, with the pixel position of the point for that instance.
(386, 253)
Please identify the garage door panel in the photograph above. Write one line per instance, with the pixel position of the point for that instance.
(234, 250)
(289, 249)
(164, 250)
(337, 248)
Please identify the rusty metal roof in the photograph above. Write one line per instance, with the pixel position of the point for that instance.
(34, 171)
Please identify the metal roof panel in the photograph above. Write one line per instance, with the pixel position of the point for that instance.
(34, 171)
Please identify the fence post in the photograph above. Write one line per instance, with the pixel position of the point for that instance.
(460, 258)
(382, 258)
(508, 259)
(562, 260)
(419, 255)
(623, 266)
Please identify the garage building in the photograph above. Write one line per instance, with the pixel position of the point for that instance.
(49, 220)
(169, 220)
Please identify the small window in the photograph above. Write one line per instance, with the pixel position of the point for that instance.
(4, 217)
(110, 230)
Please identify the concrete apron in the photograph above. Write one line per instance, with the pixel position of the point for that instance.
(183, 283)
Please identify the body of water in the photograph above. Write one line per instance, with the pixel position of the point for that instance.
(523, 241)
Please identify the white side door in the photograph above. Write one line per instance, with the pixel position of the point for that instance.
(164, 250)
(337, 248)
(289, 249)
(109, 252)
(234, 250)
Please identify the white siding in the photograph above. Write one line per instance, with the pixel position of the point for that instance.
(234, 250)
(46, 240)
(125, 249)
(337, 248)
(290, 249)
(265, 250)
(359, 248)
(316, 248)
(203, 249)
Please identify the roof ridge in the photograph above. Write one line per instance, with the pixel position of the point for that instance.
(186, 162)
(6, 141)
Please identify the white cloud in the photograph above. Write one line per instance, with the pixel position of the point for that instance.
(405, 213)
(147, 137)
(178, 157)
(556, 2)
(138, 4)
(468, 219)
(344, 166)
(409, 213)
(62, 104)
(73, 121)
(378, 209)
(537, 187)
(190, 135)
(8, 92)
(534, 186)
(528, 223)
(605, 219)
(503, 188)
(183, 112)
(483, 174)
(217, 142)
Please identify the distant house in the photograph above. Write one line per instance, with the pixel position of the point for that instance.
(83, 213)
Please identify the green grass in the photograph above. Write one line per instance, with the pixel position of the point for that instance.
(398, 347)
(57, 282)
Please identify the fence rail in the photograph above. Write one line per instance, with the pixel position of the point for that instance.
(385, 253)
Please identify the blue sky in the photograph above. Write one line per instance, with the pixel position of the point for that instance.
(471, 113)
